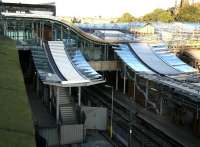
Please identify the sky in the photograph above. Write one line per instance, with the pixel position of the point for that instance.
(104, 8)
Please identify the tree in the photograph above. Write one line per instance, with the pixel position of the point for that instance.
(76, 20)
(190, 13)
(159, 15)
(126, 17)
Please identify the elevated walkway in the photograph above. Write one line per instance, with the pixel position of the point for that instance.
(65, 24)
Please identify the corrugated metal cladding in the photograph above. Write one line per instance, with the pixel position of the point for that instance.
(70, 134)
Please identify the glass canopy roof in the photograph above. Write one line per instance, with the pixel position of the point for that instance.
(83, 66)
(164, 53)
(123, 51)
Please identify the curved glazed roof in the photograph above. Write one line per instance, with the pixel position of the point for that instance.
(75, 29)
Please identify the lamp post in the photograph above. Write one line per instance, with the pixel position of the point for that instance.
(111, 116)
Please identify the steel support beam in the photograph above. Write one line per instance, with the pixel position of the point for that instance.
(79, 96)
(57, 105)
(117, 78)
(5, 28)
(134, 86)
(61, 33)
(37, 85)
(161, 106)
(50, 98)
(124, 90)
(32, 30)
(197, 112)
(105, 52)
(52, 35)
(70, 91)
(42, 31)
(146, 93)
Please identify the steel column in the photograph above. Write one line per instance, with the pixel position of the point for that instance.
(5, 28)
(79, 96)
(52, 35)
(37, 85)
(124, 90)
(161, 106)
(61, 33)
(146, 93)
(111, 122)
(117, 78)
(134, 86)
(70, 91)
(197, 112)
(57, 104)
(50, 98)
(32, 28)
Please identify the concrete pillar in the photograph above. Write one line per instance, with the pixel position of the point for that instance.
(79, 96)
(57, 105)
(117, 78)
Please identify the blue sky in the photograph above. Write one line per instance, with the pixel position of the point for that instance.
(109, 8)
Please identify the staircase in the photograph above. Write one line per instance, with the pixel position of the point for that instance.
(67, 111)
(40, 59)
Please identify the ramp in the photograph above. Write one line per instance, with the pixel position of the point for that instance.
(145, 53)
(127, 56)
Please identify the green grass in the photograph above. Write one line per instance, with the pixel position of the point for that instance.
(16, 127)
